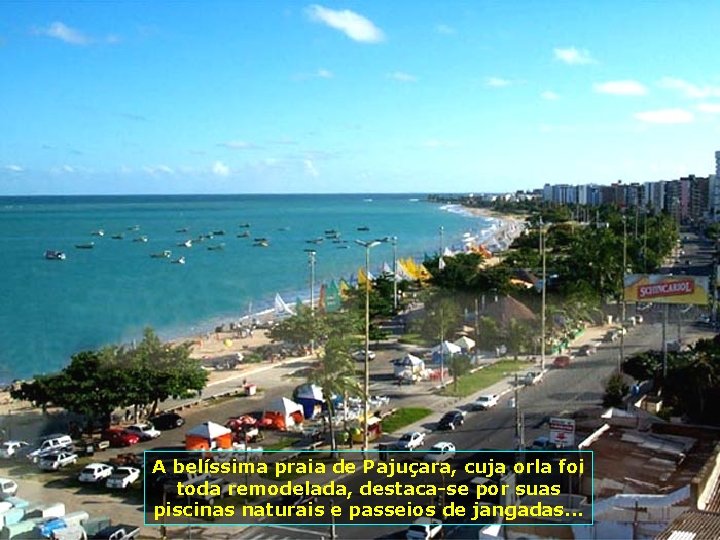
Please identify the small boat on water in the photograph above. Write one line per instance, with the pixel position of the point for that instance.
(218, 247)
(363, 229)
(283, 228)
(261, 243)
(218, 233)
(179, 260)
(260, 240)
(89, 245)
(140, 239)
(184, 229)
(186, 243)
(315, 241)
(99, 232)
(245, 234)
(134, 228)
(244, 225)
(55, 255)
(162, 255)
(118, 236)
(343, 247)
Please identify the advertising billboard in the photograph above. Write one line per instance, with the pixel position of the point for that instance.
(665, 289)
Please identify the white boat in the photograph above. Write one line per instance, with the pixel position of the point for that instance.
(140, 239)
(180, 260)
(186, 243)
(54, 255)
(99, 232)
(163, 255)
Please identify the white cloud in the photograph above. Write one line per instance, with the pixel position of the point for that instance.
(573, 56)
(549, 95)
(310, 168)
(497, 82)
(239, 145)
(712, 108)
(68, 169)
(14, 168)
(688, 89)
(220, 169)
(666, 116)
(353, 25)
(64, 33)
(445, 29)
(158, 169)
(401, 76)
(621, 88)
(324, 73)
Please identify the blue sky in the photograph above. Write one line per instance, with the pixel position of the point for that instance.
(422, 96)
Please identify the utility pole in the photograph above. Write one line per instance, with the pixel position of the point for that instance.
(519, 428)
(664, 340)
(622, 285)
(442, 241)
(544, 288)
(477, 328)
(442, 348)
(311, 259)
(366, 382)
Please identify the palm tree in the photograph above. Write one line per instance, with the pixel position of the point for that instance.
(335, 374)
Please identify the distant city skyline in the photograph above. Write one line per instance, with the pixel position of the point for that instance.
(367, 97)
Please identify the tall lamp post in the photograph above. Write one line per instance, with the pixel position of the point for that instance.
(544, 287)
(442, 240)
(393, 240)
(622, 284)
(366, 384)
(311, 259)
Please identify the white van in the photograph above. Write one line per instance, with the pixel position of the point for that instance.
(50, 446)
(8, 488)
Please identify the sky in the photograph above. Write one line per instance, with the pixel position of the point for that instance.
(104, 97)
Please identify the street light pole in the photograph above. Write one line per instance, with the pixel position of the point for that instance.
(622, 284)
(311, 258)
(366, 384)
(395, 296)
(442, 247)
(544, 286)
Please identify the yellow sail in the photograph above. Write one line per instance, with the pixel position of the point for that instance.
(363, 279)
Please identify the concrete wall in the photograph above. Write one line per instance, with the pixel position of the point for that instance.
(703, 484)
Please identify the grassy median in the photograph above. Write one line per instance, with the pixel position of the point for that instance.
(404, 416)
(482, 378)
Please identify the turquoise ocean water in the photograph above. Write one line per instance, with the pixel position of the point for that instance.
(52, 309)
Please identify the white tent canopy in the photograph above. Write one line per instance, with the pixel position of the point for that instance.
(410, 361)
(284, 405)
(465, 343)
(209, 431)
(447, 348)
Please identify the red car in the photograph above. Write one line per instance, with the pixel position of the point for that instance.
(120, 437)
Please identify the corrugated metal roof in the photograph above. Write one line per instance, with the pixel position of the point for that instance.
(693, 525)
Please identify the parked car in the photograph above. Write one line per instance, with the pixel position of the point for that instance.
(8, 488)
(485, 402)
(533, 377)
(57, 461)
(451, 420)
(146, 431)
(167, 420)
(94, 472)
(610, 336)
(117, 532)
(10, 449)
(441, 451)
(411, 441)
(120, 437)
(424, 529)
(704, 319)
(51, 445)
(459, 411)
(360, 355)
(587, 350)
(562, 361)
(543, 443)
(122, 478)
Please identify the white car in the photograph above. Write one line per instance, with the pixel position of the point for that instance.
(441, 451)
(411, 441)
(360, 355)
(146, 432)
(9, 449)
(95, 472)
(122, 478)
(54, 462)
(424, 529)
(483, 403)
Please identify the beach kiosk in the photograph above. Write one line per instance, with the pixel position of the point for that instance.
(465, 343)
(374, 430)
(444, 351)
(281, 414)
(408, 368)
(209, 436)
(310, 396)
